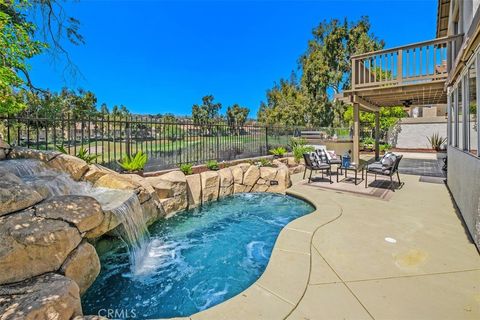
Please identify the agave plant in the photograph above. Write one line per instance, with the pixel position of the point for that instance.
(436, 141)
(134, 163)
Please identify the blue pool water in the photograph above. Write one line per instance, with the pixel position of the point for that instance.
(195, 259)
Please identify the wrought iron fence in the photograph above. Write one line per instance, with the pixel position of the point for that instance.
(167, 144)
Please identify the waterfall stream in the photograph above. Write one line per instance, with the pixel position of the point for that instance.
(123, 204)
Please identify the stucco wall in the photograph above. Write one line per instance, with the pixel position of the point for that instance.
(463, 179)
(414, 135)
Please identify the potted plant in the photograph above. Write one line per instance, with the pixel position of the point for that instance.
(135, 163)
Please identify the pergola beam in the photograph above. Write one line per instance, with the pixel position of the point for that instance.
(366, 104)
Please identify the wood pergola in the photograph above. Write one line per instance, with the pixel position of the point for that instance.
(411, 75)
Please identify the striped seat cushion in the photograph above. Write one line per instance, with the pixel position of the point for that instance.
(322, 154)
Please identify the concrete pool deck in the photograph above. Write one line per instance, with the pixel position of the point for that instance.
(362, 258)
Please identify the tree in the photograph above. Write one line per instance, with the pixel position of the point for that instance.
(236, 117)
(206, 114)
(115, 111)
(104, 109)
(388, 117)
(285, 104)
(325, 69)
(19, 42)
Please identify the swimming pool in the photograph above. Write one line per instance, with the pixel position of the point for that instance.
(196, 259)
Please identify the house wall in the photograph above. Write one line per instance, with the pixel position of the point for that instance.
(463, 178)
(412, 133)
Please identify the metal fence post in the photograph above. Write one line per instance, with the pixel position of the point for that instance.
(266, 139)
(127, 138)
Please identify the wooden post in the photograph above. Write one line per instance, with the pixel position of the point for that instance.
(377, 135)
(356, 133)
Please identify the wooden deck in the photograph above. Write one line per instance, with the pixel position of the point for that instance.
(414, 74)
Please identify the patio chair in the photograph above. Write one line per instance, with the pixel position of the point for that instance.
(312, 164)
(378, 168)
(337, 160)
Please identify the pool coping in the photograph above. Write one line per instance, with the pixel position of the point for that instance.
(278, 291)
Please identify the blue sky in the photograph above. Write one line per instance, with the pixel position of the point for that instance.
(158, 56)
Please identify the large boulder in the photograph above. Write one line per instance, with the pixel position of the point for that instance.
(297, 169)
(140, 186)
(194, 190)
(171, 188)
(251, 177)
(114, 180)
(170, 184)
(226, 182)
(237, 173)
(82, 266)
(268, 173)
(283, 179)
(49, 296)
(112, 202)
(72, 165)
(31, 245)
(4, 149)
(15, 195)
(95, 172)
(25, 153)
(210, 186)
(153, 210)
(82, 211)
(144, 191)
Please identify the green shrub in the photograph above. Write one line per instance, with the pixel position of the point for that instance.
(82, 153)
(264, 163)
(369, 140)
(279, 151)
(212, 165)
(186, 168)
(436, 141)
(385, 147)
(299, 150)
(294, 142)
(135, 163)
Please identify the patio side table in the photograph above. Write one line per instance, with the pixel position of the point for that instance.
(355, 167)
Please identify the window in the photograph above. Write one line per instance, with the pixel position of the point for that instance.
(451, 119)
(471, 111)
(459, 115)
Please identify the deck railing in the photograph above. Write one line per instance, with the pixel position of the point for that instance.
(411, 64)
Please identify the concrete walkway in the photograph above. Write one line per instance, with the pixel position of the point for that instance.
(362, 258)
(408, 258)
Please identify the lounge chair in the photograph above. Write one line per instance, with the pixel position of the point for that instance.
(379, 168)
(312, 163)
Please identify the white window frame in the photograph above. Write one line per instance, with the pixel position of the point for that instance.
(477, 68)
(455, 114)
(465, 111)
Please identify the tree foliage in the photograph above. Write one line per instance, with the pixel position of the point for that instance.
(236, 117)
(21, 39)
(325, 70)
(207, 112)
(388, 117)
